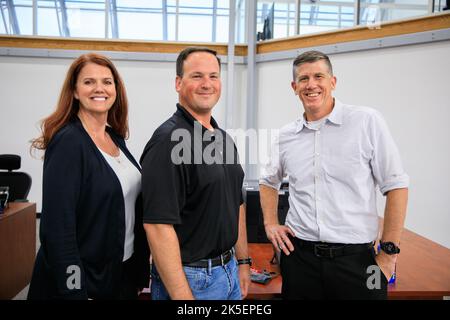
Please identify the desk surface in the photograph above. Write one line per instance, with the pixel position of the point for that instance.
(17, 247)
(15, 207)
(423, 270)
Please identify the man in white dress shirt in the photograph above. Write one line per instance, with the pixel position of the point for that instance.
(335, 157)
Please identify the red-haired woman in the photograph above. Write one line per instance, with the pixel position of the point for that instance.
(92, 240)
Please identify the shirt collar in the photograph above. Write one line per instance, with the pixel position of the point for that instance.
(182, 112)
(301, 122)
(335, 116)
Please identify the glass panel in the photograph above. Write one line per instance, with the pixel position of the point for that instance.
(279, 31)
(143, 19)
(195, 20)
(440, 5)
(139, 4)
(291, 26)
(281, 22)
(329, 15)
(5, 27)
(47, 20)
(2, 26)
(240, 21)
(86, 18)
(195, 28)
(140, 26)
(222, 29)
(18, 3)
(25, 20)
(171, 6)
(376, 11)
(266, 14)
(171, 27)
(222, 21)
(223, 4)
(196, 3)
(23, 10)
(140, 19)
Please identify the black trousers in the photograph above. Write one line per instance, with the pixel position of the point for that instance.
(307, 275)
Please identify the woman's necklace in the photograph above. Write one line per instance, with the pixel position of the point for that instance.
(118, 158)
(105, 143)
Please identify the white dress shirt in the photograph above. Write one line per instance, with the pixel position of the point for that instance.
(333, 169)
(130, 181)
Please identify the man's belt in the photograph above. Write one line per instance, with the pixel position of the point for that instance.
(221, 260)
(332, 250)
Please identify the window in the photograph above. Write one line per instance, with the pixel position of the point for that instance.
(24, 14)
(325, 16)
(142, 19)
(84, 18)
(48, 21)
(195, 15)
(196, 20)
(376, 11)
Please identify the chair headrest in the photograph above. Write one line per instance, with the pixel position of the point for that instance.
(9, 162)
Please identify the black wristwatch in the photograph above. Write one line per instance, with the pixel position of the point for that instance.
(245, 261)
(389, 248)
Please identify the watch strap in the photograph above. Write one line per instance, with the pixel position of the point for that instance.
(245, 261)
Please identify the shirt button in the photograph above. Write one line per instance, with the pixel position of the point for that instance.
(317, 154)
(318, 132)
(318, 199)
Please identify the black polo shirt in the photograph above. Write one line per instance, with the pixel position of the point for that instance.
(193, 180)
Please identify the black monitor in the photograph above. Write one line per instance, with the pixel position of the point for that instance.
(255, 222)
(267, 32)
(269, 24)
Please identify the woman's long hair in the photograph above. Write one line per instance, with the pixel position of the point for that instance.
(67, 107)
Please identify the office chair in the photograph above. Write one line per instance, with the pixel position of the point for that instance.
(19, 183)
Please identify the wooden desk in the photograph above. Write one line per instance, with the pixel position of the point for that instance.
(261, 254)
(17, 247)
(423, 270)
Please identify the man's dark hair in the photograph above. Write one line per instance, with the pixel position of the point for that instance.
(309, 57)
(185, 54)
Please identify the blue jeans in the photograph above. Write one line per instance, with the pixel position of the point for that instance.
(214, 283)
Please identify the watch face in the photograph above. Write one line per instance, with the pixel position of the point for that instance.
(389, 248)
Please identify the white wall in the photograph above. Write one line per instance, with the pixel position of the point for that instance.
(29, 89)
(410, 86)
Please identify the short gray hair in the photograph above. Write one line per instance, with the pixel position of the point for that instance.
(309, 57)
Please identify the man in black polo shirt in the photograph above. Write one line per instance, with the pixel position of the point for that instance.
(194, 215)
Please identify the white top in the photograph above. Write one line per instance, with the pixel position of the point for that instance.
(130, 181)
(333, 170)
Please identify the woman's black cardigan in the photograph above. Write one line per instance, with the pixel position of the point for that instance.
(82, 229)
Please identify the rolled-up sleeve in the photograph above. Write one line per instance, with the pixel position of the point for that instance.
(386, 163)
(272, 171)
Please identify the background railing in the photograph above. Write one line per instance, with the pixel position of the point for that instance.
(198, 20)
